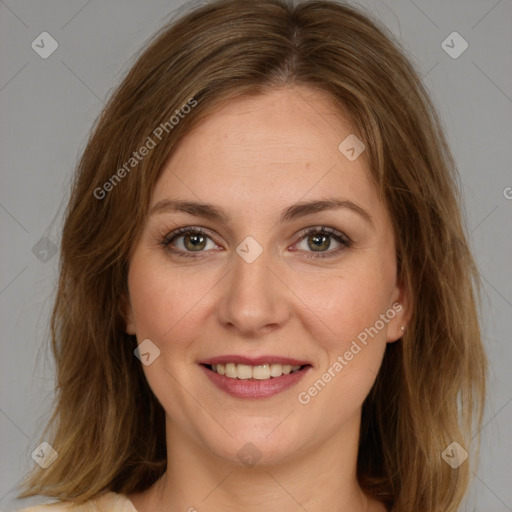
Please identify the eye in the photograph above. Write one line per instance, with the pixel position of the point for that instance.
(185, 241)
(190, 242)
(319, 240)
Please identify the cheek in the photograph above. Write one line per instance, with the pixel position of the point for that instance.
(342, 304)
(351, 333)
(352, 348)
(167, 309)
(164, 300)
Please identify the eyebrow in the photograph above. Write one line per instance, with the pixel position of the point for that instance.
(295, 211)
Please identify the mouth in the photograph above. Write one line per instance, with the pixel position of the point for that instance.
(264, 371)
(262, 377)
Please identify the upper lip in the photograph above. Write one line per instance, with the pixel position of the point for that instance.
(253, 361)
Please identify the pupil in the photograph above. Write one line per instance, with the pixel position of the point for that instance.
(196, 241)
(322, 240)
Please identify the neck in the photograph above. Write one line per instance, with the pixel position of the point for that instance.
(316, 477)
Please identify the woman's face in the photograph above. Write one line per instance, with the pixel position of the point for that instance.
(262, 285)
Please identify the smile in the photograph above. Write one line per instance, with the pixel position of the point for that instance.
(263, 378)
(259, 372)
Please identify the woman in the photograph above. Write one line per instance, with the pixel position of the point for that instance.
(266, 295)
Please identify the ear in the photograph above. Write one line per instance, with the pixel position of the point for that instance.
(125, 309)
(399, 312)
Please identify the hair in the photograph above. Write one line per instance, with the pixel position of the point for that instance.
(431, 386)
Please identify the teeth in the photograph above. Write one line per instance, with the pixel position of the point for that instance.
(260, 372)
(243, 371)
(230, 370)
(276, 370)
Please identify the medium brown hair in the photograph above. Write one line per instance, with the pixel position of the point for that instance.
(431, 386)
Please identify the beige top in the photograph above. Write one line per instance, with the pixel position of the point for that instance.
(109, 502)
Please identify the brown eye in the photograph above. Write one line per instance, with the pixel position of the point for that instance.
(188, 240)
(320, 240)
(194, 242)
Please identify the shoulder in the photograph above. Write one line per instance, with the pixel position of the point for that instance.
(110, 501)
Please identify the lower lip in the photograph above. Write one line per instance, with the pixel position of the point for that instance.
(253, 388)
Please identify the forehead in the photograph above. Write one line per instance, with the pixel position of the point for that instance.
(273, 149)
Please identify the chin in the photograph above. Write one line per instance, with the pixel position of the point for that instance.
(257, 446)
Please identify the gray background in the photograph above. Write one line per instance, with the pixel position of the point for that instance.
(48, 106)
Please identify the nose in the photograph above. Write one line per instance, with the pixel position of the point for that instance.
(254, 301)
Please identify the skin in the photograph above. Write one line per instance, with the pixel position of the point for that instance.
(254, 157)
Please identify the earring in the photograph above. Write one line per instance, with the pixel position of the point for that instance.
(403, 328)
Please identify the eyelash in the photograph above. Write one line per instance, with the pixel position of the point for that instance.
(323, 230)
